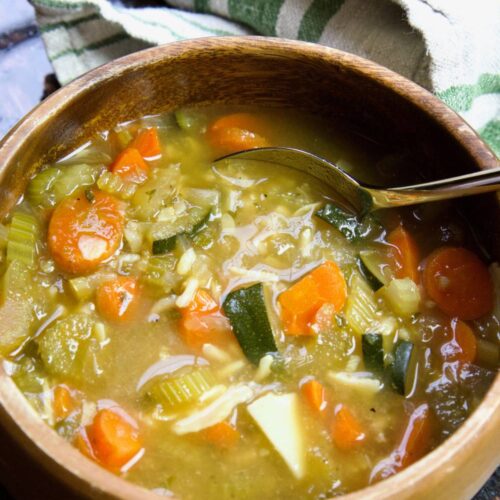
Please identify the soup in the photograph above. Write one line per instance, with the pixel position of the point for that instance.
(230, 329)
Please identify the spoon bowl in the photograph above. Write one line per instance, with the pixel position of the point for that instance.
(363, 198)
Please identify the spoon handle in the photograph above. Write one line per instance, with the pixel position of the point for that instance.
(455, 187)
(490, 177)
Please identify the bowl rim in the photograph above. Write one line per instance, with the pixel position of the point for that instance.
(67, 464)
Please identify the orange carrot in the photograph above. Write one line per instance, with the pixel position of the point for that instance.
(346, 431)
(202, 303)
(236, 132)
(463, 344)
(114, 439)
(414, 443)
(130, 166)
(64, 403)
(82, 443)
(84, 233)
(147, 143)
(202, 322)
(197, 329)
(459, 283)
(405, 254)
(223, 435)
(117, 300)
(314, 393)
(301, 302)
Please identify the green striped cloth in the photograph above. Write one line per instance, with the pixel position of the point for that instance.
(451, 47)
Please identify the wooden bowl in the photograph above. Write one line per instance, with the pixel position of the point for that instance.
(260, 71)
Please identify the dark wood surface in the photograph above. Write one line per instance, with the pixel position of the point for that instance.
(25, 78)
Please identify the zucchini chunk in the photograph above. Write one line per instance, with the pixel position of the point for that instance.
(247, 313)
(404, 368)
(69, 348)
(373, 351)
(345, 222)
(375, 268)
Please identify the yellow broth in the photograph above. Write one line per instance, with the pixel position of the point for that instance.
(262, 226)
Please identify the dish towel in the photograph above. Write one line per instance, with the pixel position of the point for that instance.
(450, 47)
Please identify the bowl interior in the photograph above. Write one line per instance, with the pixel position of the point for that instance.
(369, 99)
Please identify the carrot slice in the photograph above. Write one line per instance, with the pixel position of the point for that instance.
(82, 443)
(314, 393)
(236, 132)
(202, 322)
(147, 143)
(406, 255)
(301, 302)
(197, 329)
(130, 166)
(202, 303)
(84, 233)
(64, 403)
(114, 439)
(463, 345)
(117, 300)
(459, 283)
(223, 435)
(414, 443)
(346, 431)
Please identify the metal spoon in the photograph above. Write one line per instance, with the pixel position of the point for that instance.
(365, 198)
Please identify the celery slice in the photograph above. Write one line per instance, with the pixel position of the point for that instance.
(21, 239)
(113, 184)
(39, 191)
(16, 312)
(361, 307)
(74, 177)
(175, 392)
(69, 348)
(160, 271)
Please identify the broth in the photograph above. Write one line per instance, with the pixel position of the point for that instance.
(227, 330)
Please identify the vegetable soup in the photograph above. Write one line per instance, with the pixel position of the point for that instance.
(230, 330)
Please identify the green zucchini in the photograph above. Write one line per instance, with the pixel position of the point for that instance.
(163, 246)
(352, 227)
(373, 351)
(404, 367)
(345, 222)
(247, 313)
(375, 268)
(69, 348)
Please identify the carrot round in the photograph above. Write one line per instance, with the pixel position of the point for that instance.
(459, 283)
(63, 402)
(130, 166)
(463, 346)
(223, 435)
(113, 438)
(406, 255)
(84, 233)
(82, 443)
(346, 431)
(117, 300)
(236, 132)
(301, 302)
(314, 393)
(147, 143)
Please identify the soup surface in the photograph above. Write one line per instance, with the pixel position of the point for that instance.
(229, 330)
